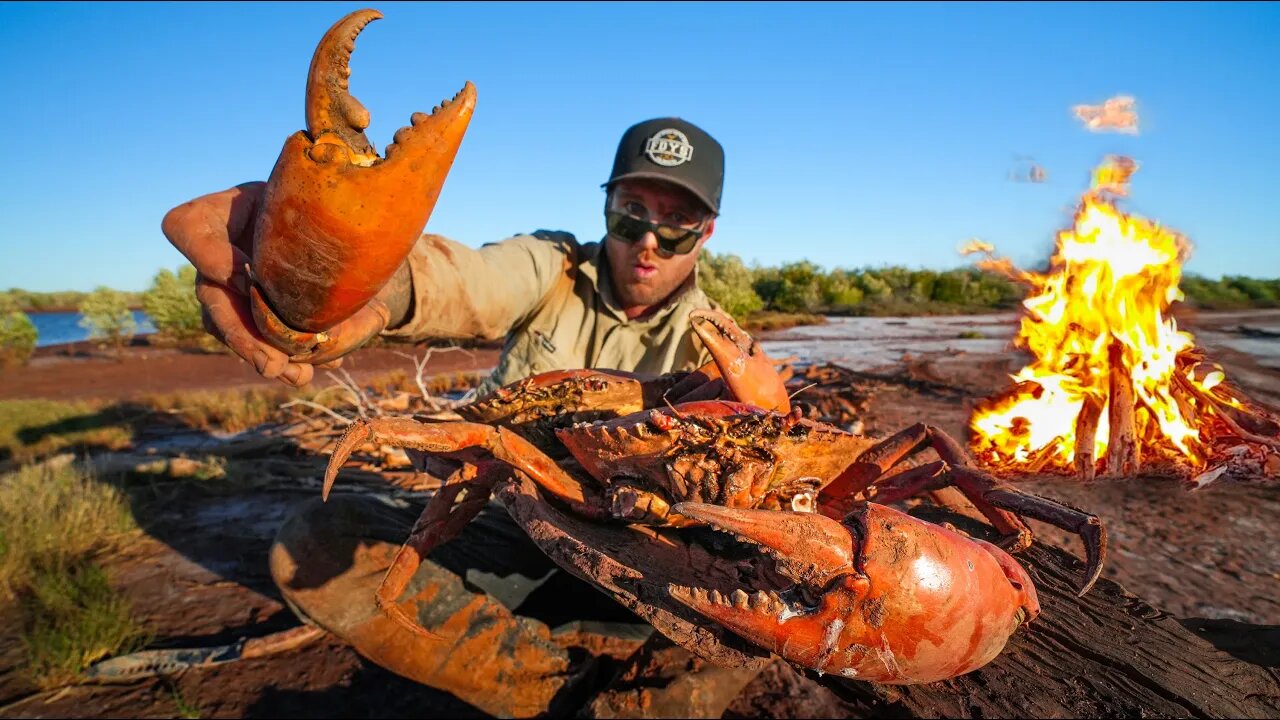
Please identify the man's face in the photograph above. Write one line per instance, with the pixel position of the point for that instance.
(643, 274)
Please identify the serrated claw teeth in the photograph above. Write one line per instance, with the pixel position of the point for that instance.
(739, 597)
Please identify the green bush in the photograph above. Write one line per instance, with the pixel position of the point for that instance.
(17, 333)
(728, 282)
(171, 304)
(107, 317)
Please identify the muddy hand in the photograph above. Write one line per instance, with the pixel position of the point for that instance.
(214, 233)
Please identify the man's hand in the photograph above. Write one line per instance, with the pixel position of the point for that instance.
(215, 232)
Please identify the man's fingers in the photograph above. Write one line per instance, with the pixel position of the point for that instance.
(215, 233)
(233, 323)
(228, 318)
(298, 374)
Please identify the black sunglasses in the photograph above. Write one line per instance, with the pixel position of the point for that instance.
(672, 239)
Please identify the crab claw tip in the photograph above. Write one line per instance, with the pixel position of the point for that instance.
(358, 432)
(1094, 535)
(807, 547)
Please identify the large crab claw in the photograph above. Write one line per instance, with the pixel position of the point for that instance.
(882, 597)
(337, 220)
(738, 363)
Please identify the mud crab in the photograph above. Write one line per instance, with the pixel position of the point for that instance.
(703, 501)
(337, 219)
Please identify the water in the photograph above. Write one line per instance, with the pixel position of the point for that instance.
(56, 328)
(866, 343)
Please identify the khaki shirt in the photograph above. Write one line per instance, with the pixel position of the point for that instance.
(551, 297)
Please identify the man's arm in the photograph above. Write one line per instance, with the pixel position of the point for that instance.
(215, 233)
(448, 290)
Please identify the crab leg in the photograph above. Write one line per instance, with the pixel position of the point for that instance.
(1002, 504)
(982, 489)
(838, 497)
(461, 438)
(444, 516)
(898, 600)
(441, 520)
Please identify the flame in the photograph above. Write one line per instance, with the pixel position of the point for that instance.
(1112, 279)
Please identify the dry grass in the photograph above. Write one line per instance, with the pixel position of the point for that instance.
(51, 515)
(227, 410)
(72, 619)
(54, 518)
(34, 428)
(765, 320)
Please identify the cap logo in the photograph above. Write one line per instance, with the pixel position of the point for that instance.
(669, 148)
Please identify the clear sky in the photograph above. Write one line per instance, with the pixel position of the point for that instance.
(855, 135)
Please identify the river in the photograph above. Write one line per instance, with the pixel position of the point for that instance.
(56, 328)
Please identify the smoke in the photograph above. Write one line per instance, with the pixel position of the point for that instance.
(1118, 114)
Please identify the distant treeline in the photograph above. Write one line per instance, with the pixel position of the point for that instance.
(60, 301)
(806, 287)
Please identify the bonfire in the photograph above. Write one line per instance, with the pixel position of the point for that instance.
(1114, 386)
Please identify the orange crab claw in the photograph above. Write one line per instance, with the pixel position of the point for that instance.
(338, 220)
(739, 361)
(882, 597)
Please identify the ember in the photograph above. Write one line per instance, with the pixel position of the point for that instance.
(1114, 385)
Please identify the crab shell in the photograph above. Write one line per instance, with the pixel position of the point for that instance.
(337, 220)
(716, 451)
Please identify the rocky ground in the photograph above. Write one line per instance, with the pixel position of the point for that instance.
(197, 574)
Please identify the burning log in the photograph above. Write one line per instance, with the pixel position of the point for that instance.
(1123, 455)
(1087, 437)
(1099, 329)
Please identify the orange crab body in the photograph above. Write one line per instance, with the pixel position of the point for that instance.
(816, 573)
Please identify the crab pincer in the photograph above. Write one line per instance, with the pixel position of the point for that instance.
(881, 596)
(337, 220)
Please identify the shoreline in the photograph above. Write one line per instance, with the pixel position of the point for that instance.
(79, 371)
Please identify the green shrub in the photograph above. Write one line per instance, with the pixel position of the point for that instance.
(107, 317)
(72, 619)
(53, 514)
(171, 304)
(797, 288)
(17, 333)
(728, 282)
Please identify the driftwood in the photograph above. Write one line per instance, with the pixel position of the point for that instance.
(1122, 448)
(1108, 654)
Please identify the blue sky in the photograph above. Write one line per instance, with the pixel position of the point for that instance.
(856, 135)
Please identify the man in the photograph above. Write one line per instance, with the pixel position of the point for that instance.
(504, 615)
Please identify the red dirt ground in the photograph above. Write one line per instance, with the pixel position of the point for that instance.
(198, 575)
(79, 371)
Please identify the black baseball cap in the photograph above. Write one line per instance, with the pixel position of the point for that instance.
(673, 150)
